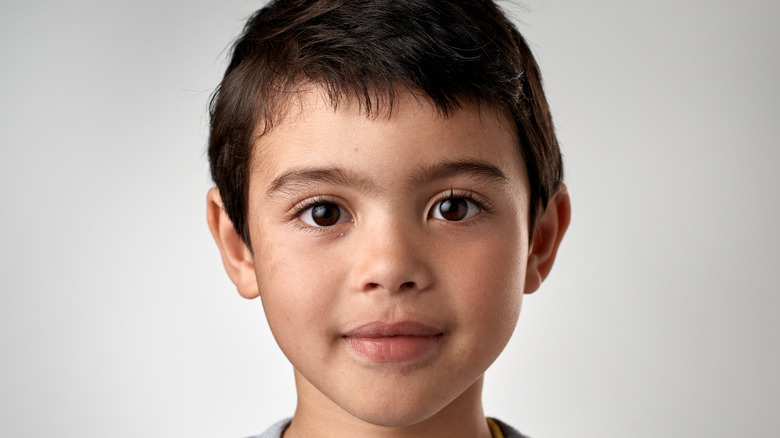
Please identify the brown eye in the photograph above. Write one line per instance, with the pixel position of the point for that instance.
(324, 214)
(455, 209)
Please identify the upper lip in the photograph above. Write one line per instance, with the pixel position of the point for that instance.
(379, 329)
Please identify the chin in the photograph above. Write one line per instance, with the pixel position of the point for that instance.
(402, 410)
(398, 415)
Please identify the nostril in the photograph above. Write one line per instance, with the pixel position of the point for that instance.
(404, 286)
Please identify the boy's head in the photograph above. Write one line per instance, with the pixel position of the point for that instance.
(369, 52)
(388, 182)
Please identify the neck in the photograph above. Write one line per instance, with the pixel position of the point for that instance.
(317, 416)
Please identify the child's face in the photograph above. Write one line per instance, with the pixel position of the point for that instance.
(389, 253)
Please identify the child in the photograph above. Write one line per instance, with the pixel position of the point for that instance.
(389, 184)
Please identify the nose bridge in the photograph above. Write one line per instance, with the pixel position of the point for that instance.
(391, 256)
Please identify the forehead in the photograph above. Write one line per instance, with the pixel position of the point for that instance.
(405, 135)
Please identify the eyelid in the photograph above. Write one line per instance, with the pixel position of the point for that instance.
(299, 207)
(481, 202)
(306, 205)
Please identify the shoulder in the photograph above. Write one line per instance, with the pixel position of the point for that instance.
(507, 430)
(274, 431)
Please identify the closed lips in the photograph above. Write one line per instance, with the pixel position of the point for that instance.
(392, 343)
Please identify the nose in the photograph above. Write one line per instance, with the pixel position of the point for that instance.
(391, 258)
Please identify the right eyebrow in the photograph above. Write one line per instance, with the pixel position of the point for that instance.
(294, 180)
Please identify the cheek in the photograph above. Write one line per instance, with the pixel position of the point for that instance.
(492, 278)
(288, 270)
(296, 287)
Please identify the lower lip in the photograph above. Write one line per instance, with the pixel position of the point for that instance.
(392, 349)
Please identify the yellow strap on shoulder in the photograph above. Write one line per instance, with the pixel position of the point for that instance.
(494, 429)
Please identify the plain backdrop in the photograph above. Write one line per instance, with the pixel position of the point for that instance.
(660, 318)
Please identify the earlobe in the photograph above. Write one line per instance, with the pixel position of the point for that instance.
(235, 255)
(547, 237)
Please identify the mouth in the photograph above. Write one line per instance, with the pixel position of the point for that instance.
(382, 343)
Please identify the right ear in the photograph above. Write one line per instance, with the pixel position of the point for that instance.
(235, 255)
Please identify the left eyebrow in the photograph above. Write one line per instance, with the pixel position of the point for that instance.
(469, 168)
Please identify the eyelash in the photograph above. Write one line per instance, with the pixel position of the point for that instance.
(300, 207)
(468, 195)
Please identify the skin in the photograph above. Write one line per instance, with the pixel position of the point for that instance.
(395, 254)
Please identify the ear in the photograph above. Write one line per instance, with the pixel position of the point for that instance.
(235, 254)
(547, 238)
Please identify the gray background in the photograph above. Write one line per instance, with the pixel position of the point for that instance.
(660, 318)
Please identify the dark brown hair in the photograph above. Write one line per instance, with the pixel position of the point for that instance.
(450, 52)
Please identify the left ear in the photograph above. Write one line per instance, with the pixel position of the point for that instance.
(547, 237)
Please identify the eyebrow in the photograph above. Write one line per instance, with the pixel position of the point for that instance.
(294, 180)
(469, 168)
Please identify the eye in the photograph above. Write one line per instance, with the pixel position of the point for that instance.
(324, 214)
(455, 209)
